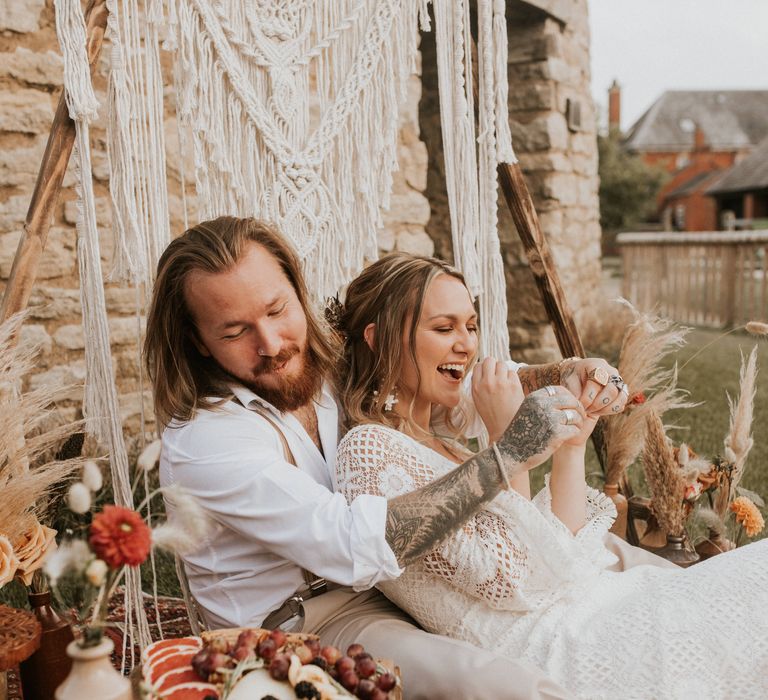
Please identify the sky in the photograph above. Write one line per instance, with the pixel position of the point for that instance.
(650, 46)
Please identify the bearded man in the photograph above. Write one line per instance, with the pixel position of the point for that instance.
(242, 376)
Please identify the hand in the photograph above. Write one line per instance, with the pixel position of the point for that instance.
(597, 399)
(547, 418)
(497, 393)
(587, 426)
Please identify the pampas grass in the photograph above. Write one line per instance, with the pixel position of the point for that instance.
(738, 442)
(665, 479)
(28, 437)
(647, 341)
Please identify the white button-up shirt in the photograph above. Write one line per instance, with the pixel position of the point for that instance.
(271, 518)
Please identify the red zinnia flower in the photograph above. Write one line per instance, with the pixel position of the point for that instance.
(119, 536)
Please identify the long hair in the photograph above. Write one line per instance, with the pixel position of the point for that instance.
(390, 294)
(183, 379)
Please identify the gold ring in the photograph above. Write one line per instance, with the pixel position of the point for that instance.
(599, 375)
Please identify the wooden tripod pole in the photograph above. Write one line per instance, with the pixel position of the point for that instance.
(49, 178)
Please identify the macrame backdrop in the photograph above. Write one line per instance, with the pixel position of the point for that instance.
(293, 108)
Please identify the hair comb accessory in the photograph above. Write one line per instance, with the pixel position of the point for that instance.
(334, 311)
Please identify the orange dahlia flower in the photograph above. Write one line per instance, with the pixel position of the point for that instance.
(119, 536)
(748, 515)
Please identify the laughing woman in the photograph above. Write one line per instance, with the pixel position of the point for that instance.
(527, 577)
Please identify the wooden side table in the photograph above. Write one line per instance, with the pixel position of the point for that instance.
(19, 638)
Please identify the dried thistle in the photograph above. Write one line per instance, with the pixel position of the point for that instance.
(738, 442)
(711, 520)
(664, 477)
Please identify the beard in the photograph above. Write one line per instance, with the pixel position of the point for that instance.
(290, 392)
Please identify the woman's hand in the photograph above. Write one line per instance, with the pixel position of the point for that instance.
(497, 394)
(587, 426)
(547, 419)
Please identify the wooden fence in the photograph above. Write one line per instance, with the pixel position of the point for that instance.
(713, 279)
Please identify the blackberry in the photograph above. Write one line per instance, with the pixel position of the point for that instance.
(321, 662)
(306, 690)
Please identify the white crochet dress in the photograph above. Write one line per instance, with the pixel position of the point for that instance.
(516, 581)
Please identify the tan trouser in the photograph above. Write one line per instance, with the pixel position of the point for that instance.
(432, 666)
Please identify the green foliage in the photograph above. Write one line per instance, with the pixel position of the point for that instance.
(628, 187)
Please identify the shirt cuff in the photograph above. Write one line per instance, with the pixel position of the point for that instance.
(372, 557)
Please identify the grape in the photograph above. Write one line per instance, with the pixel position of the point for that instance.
(314, 646)
(266, 649)
(349, 680)
(365, 689)
(243, 652)
(379, 694)
(218, 644)
(247, 638)
(278, 667)
(365, 668)
(386, 682)
(330, 654)
(304, 653)
(364, 655)
(345, 663)
(354, 650)
(278, 637)
(320, 662)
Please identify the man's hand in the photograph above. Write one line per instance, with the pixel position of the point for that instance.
(596, 384)
(497, 394)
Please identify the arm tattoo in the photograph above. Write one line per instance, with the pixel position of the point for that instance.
(534, 377)
(418, 521)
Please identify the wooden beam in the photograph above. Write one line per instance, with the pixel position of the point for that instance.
(49, 179)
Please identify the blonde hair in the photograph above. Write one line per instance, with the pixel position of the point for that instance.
(182, 378)
(390, 294)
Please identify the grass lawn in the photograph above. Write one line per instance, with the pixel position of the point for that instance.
(708, 377)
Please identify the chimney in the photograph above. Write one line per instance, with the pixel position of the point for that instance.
(614, 106)
(699, 140)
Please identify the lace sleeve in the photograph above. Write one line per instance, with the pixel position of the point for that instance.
(483, 559)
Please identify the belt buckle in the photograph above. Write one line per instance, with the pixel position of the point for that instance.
(317, 587)
(289, 617)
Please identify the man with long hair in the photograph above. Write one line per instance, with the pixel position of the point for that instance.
(242, 377)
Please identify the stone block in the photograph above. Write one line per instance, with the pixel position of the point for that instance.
(58, 258)
(26, 111)
(21, 15)
(407, 208)
(414, 240)
(19, 166)
(33, 67)
(70, 337)
(563, 187)
(532, 96)
(35, 335)
(545, 132)
(125, 330)
(131, 404)
(48, 303)
(120, 300)
(122, 331)
(385, 240)
(70, 375)
(173, 152)
(414, 161)
(13, 212)
(546, 162)
(103, 211)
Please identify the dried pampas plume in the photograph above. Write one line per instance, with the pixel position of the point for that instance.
(28, 437)
(738, 442)
(665, 478)
(647, 340)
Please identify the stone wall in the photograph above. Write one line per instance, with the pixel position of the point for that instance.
(30, 83)
(548, 71)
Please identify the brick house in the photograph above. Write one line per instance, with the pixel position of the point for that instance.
(696, 136)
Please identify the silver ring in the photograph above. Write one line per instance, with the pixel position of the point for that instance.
(550, 390)
(569, 416)
(615, 379)
(625, 389)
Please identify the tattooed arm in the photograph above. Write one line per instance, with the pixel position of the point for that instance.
(419, 520)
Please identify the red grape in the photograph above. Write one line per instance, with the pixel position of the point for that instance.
(304, 653)
(278, 667)
(267, 649)
(345, 663)
(379, 694)
(365, 689)
(354, 650)
(278, 637)
(349, 680)
(247, 638)
(330, 654)
(364, 667)
(243, 652)
(314, 646)
(386, 682)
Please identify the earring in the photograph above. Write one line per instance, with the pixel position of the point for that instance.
(390, 401)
